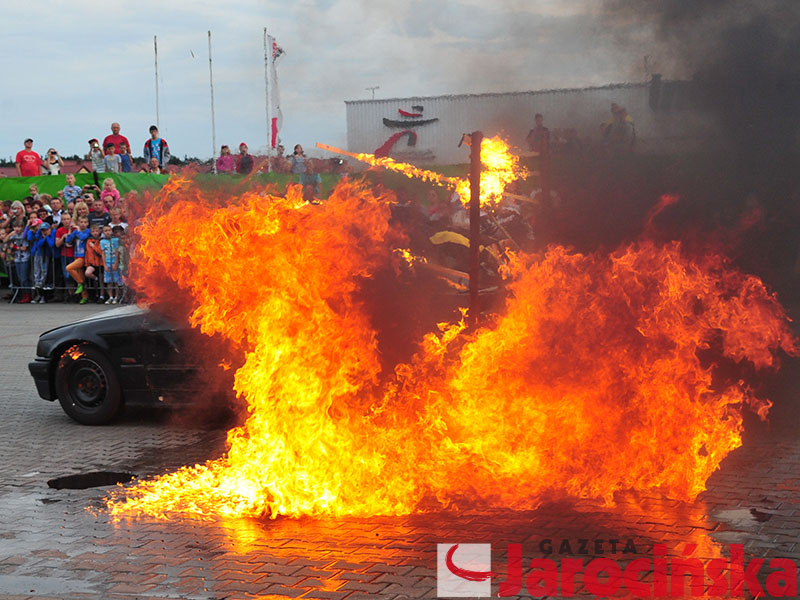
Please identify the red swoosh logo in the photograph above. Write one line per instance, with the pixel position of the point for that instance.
(464, 573)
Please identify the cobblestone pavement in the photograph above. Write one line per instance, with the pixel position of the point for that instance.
(53, 546)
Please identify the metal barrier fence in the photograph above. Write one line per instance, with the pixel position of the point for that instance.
(45, 279)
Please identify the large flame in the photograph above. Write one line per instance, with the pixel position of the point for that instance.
(499, 168)
(596, 378)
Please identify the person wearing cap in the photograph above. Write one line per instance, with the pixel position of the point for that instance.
(116, 139)
(157, 148)
(29, 163)
(244, 164)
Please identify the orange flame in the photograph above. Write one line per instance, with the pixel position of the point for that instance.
(590, 382)
(500, 167)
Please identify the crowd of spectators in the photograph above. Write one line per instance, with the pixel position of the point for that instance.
(69, 247)
(112, 156)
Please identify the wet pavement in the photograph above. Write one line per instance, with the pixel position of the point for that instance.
(61, 543)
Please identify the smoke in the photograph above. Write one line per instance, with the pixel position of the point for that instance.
(743, 59)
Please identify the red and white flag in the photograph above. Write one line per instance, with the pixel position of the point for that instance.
(274, 92)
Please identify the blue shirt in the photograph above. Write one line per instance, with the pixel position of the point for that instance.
(71, 193)
(79, 237)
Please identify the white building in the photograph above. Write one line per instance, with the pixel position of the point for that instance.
(661, 111)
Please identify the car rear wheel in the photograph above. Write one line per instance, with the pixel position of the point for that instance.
(87, 386)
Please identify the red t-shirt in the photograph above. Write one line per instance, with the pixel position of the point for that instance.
(116, 140)
(68, 251)
(29, 163)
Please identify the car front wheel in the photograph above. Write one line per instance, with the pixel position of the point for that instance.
(87, 386)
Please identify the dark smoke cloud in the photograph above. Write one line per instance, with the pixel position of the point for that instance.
(743, 59)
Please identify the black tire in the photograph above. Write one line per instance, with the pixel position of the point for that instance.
(87, 386)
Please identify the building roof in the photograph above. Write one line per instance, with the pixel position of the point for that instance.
(610, 86)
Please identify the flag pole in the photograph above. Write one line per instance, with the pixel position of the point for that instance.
(213, 123)
(158, 112)
(266, 99)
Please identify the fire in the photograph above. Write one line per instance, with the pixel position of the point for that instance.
(500, 167)
(596, 377)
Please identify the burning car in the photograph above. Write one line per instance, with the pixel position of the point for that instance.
(129, 355)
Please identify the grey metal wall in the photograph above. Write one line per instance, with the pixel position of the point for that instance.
(511, 114)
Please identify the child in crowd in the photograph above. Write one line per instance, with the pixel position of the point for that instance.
(110, 194)
(109, 246)
(122, 259)
(124, 158)
(78, 237)
(71, 192)
(226, 163)
(94, 260)
(98, 216)
(116, 218)
(18, 249)
(96, 156)
(112, 161)
(67, 250)
(33, 191)
(41, 238)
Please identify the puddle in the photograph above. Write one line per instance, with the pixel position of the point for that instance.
(83, 481)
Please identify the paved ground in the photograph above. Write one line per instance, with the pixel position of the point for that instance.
(53, 546)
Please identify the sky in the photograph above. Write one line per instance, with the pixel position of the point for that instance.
(72, 67)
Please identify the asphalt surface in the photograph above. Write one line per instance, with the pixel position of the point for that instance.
(61, 543)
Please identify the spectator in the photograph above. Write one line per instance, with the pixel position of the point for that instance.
(98, 216)
(225, 162)
(29, 163)
(82, 208)
(41, 239)
(122, 255)
(53, 163)
(78, 237)
(5, 214)
(94, 260)
(312, 183)
(244, 163)
(125, 158)
(157, 148)
(116, 218)
(539, 137)
(112, 162)
(110, 194)
(44, 216)
(67, 250)
(155, 168)
(298, 160)
(33, 191)
(108, 246)
(17, 212)
(18, 249)
(67, 253)
(116, 139)
(71, 192)
(56, 210)
(97, 157)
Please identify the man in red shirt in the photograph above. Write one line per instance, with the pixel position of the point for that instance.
(29, 163)
(115, 138)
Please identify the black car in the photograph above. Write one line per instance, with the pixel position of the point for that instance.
(122, 356)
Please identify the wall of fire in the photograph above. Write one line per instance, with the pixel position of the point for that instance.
(427, 130)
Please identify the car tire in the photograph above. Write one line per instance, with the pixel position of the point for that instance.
(87, 386)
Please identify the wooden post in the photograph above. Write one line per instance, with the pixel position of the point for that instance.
(474, 226)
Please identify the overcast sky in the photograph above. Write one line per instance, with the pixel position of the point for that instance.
(74, 66)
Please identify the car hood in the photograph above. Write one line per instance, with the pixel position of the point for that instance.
(115, 313)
